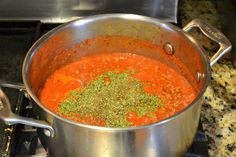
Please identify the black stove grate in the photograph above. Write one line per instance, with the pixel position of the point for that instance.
(19, 140)
(15, 40)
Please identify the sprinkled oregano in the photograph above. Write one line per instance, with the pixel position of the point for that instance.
(109, 98)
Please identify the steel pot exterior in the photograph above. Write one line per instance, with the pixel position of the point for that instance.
(170, 137)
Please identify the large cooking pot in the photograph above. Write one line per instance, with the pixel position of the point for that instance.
(169, 137)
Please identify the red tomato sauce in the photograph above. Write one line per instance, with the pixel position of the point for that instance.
(159, 79)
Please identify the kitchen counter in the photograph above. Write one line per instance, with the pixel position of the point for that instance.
(218, 113)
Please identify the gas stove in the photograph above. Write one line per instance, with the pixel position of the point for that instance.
(16, 37)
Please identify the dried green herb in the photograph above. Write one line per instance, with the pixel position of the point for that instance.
(109, 98)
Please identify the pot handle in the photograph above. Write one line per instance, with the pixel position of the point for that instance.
(10, 118)
(214, 34)
(13, 85)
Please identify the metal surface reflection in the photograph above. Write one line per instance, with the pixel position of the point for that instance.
(60, 11)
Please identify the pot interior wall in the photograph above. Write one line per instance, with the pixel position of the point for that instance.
(52, 51)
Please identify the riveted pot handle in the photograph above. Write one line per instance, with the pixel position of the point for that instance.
(10, 118)
(214, 34)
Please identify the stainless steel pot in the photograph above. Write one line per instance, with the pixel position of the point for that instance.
(169, 137)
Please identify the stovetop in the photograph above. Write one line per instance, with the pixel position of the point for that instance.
(15, 39)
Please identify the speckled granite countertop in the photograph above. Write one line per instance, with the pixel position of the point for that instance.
(218, 113)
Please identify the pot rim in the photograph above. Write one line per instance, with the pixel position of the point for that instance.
(43, 39)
